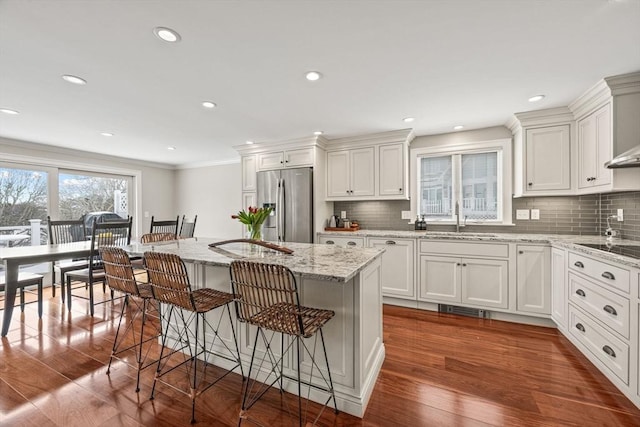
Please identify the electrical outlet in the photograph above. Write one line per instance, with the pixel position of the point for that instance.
(343, 214)
(146, 214)
(620, 215)
(406, 214)
(522, 213)
(535, 213)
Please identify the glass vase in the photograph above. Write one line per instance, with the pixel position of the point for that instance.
(254, 232)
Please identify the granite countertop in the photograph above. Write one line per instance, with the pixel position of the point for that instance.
(566, 241)
(311, 261)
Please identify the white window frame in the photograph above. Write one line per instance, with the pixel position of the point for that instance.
(505, 173)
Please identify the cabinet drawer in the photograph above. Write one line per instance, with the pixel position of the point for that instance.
(609, 308)
(343, 241)
(601, 271)
(611, 351)
(443, 247)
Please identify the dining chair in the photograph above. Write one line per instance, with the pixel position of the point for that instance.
(26, 279)
(187, 325)
(266, 296)
(187, 228)
(137, 312)
(65, 231)
(113, 233)
(168, 226)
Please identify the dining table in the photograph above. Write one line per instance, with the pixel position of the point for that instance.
(12, 258)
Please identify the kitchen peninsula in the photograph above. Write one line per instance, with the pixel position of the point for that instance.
(346, 280)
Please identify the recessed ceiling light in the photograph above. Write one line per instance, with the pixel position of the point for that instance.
(8, 111)
(106, 134)
(408, 119)
(313, 76)
(536, 98)
(318, 132)
(458, 127)
(166, 34)
(209, 104)
(74, 79)
(249, 142)
(171, 148)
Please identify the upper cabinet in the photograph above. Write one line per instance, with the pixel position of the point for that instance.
(286, 159)
(608, 123)
(542, 152)
(249, 173)
(369, 167)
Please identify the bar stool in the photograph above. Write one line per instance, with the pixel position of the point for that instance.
(24, 280)
(186, 325)
(266, 296)
(138, 299)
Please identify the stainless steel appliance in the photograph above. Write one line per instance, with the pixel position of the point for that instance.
(289, 192)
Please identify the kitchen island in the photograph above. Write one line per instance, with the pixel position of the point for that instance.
(345, 280)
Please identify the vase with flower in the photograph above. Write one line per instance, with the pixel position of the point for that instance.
(253, 217)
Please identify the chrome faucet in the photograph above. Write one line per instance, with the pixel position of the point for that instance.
(457, 212)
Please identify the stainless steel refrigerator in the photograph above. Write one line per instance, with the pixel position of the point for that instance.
(290, 193)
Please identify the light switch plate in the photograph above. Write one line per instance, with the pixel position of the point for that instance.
(535, 213)
(620, 215)
(406, 214)
(522, 213)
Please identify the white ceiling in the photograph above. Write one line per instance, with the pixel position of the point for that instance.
(443, 62)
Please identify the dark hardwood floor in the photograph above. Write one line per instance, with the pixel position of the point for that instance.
(440, 370)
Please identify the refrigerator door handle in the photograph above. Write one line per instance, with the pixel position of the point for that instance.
(281, 214)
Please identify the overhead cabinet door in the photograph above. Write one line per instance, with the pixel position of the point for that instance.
(548, 158)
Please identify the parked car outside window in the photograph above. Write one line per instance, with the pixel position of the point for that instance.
(103, 216)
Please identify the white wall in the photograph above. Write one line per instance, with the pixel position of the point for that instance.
(214, 194)
(157, 180)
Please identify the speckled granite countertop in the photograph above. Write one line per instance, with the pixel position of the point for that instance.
(565, 241)
(321, 262)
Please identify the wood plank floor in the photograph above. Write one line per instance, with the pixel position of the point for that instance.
(440, 370)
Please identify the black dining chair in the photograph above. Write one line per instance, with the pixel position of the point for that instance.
(65, 231)
(168, 226)
(26, 280)
(114, 233)
(187, 228)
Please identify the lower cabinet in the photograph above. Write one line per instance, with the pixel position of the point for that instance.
(533, 283)
(559, 287)
(398, 267)
(471, 281)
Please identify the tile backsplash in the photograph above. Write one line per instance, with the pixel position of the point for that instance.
(581, 215)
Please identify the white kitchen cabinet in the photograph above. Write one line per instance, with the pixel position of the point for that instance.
(249, 173)
(548, 162)
(350, 173)
(392, 170)
(559, 287)
(594, 148)
(249, 199)
(398, 267)
(345, 242)
(542, 152)
(533, 281)
(470, 281)
(286, 159)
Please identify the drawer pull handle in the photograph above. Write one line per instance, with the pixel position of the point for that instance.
(330, 242)
(609, 351)
(581, 293)
(351, 243)
(390, 242)
(580, 327)
(521, 252)
(610, 310)
(608, 275)
(578, 264)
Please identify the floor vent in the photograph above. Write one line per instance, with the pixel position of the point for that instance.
(463, 311)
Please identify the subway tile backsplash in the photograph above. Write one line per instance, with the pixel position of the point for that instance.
(580, 215)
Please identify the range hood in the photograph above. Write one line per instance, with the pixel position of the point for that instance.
(628, 159)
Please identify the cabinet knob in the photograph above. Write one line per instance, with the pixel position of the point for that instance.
(400, 190)
(457, 263)
(281, 162)
(520, 252)
(347, 191)
(609, 351)
(580, 327)
(612, 311)
(464, 265)
(530, 184)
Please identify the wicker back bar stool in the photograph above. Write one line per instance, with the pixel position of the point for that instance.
(138, 311)
(157, 237)
(186, 325)
(266, 296)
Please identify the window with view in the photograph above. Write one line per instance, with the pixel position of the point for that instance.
(471, 178)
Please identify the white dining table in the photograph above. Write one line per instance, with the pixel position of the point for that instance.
(14, 257)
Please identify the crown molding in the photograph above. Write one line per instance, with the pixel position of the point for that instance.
(624, 83)
(404, 136)
(547, 116)
(197, 165)
(290, 144)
